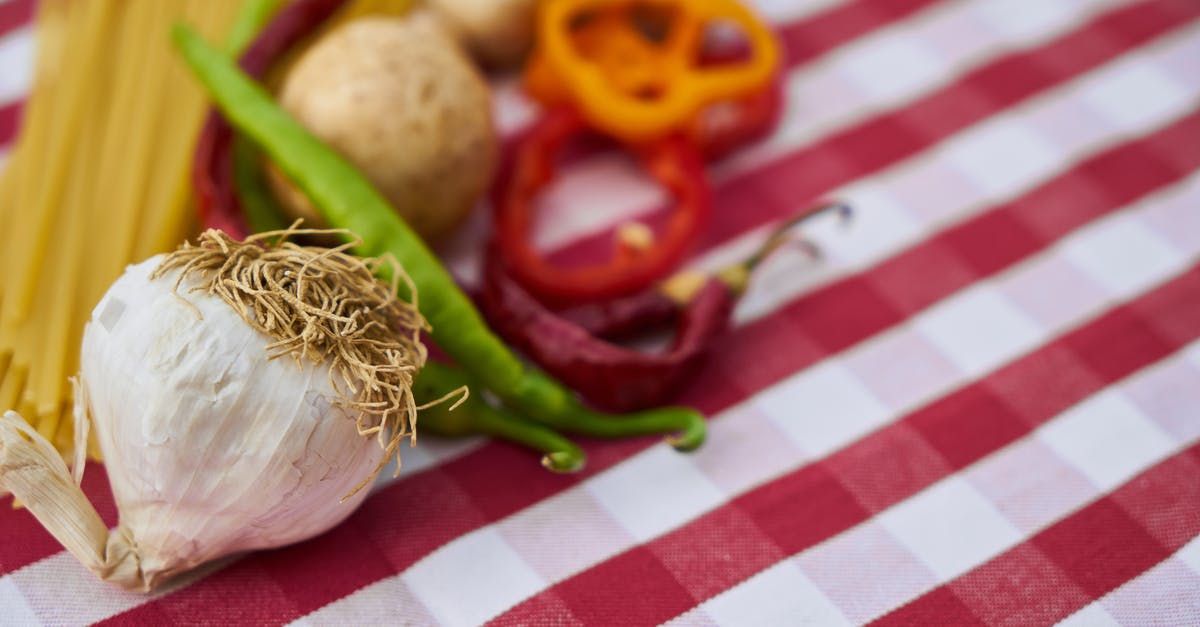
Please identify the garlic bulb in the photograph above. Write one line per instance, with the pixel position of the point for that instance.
(239, 394)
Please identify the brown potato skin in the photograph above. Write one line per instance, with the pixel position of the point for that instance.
(400, 100)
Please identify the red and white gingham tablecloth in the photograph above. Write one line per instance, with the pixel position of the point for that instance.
(982, 407)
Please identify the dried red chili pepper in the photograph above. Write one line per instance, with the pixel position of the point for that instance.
(573, 346)
(605, 374)
(674, 162)
(724, 127)
(622, 318)
(212, 168)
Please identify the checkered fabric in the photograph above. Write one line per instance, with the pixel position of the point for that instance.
(980, 407)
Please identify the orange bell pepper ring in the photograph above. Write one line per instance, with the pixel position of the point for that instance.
(632, 67)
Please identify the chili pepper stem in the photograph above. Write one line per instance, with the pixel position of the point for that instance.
(558, 453)
(683, 427)
(737, 276)
(477, 417)
(781, 233)
(683, 286)
(692, 437)
(563, 461)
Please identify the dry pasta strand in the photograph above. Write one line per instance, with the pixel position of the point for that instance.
(101, 160)
(97, 179)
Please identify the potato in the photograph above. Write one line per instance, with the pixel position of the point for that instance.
(498, 32)
(400, 100)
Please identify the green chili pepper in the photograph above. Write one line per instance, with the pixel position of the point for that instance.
(347, 200)
(476, 416)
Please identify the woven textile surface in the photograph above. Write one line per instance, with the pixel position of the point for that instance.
(981, 406)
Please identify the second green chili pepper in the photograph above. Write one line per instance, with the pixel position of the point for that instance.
(476, 416)
(348, 200)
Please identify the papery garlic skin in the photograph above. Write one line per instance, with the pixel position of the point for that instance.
(211, 448)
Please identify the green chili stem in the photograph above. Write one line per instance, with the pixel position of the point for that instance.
(684, 430)
(476, 416)
(684, 427)
(349, 201)
(559, 453)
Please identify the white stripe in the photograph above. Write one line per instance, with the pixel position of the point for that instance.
(393, 604)
(1024, 19)
(759, 604)
(694, 495)
(16, 63)
(430, 451)
(483, 559)
(624, 195)
(848, 253)
(817, 107)
(1169, 581)
(1190, 555)
(34, 566)
(90, 599)
(16, 607)
(592, 179)
(680, 515)
(870, 241)
(714, 447)
(939, 508)
(791, 10)
(574, 208)
(1091, 616)
(511, 109)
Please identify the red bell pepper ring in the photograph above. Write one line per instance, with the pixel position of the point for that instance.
(674, 162)
(212, 168)
(725, 127)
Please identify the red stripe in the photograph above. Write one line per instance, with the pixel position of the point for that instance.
(489, 491)
(35, 543)
(805, 41)
(842, 314)
(818, 501)
(753, 198)
(1077, 560)
(10, 121)
(15, 14)
(815, 36)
